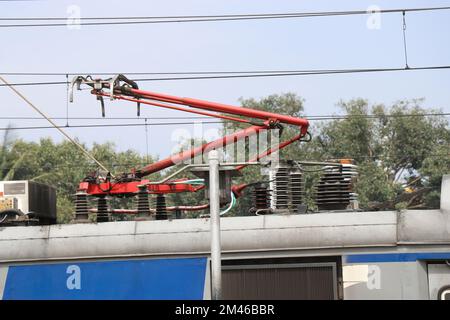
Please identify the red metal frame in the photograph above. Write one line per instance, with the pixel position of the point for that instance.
(130, 188)
(223, 108)
(261, 120)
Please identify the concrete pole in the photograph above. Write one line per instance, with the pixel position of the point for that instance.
(214, 202)
(445, 193)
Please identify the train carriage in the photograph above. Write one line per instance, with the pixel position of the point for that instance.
(327, 255)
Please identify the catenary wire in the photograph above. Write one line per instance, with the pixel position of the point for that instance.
(233, 76)
(317, 118)
(317, 13)
(310, 118)
(198, 18)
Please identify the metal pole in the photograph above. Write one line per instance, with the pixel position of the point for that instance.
(214, 201)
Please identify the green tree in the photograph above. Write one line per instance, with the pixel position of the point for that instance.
(390, 145)
(400, 151)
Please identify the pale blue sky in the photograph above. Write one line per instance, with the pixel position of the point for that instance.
(310, 43)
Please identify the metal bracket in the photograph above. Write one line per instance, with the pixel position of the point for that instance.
(99, 84)
(127, 84)
(102, 104)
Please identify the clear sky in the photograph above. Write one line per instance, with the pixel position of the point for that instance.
(309, 43)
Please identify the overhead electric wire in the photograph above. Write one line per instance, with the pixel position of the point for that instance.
(197, 18)
(221, 72)
(51, 167)
(317, 13)
(317, 118)
(375, 116)
(258, 75)
(302, 73)
(102, 118)
(159, 73)
(108, 125)
(309, 117)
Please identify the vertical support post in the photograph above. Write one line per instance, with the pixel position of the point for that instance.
(214, 203)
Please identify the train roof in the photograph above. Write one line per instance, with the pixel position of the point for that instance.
(239, 234)
(265, 233)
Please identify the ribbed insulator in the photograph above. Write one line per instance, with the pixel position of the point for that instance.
(335, 188)
(281, 188)
(297, 190)
(261, 197)
(161, 208)
(142, 203)
(81, 206)
(102, 210)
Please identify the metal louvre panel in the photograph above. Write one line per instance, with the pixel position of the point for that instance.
(307, 282)
(42, 200)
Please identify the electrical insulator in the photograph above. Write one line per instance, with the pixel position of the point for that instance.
(102, 209)
(288, 187)
(161, 208)
(142, 204)
(81, 206)
(281, 188)
(261, 196)
(297, 191)
(335, 188)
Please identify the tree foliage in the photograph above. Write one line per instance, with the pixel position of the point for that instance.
(399, 150)
(391, 145)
